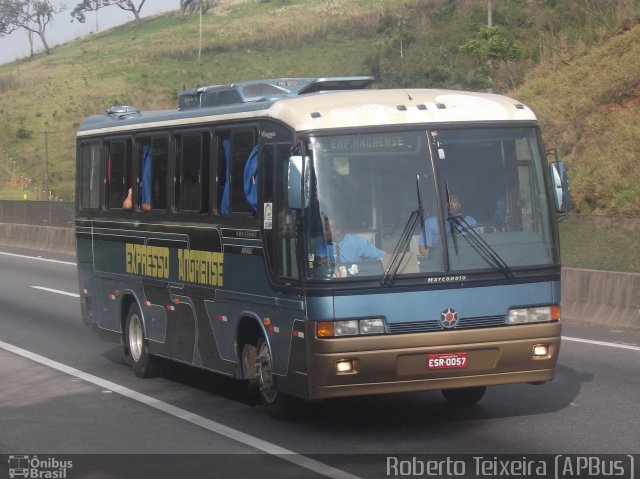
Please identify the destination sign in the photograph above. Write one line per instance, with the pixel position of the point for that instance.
(377, 142)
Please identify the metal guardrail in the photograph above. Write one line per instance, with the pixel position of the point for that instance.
(42, 213)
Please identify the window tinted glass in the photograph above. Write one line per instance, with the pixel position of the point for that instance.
(118, 181)
(90, 175)
(192, 173)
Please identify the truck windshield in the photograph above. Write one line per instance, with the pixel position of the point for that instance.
(366, 187)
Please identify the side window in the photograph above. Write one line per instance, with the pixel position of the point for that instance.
(192, 172)
(153, 161)
(237, 170)
(89, 188)
(118, 173)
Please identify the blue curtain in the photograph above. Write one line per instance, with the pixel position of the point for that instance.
(250, 179)
(145, 191)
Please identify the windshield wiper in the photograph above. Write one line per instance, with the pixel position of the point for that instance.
(402, 246)
(478, 243)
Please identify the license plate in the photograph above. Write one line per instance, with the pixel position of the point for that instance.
(447, 361)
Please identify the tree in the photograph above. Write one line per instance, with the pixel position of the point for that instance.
(190, 6)
(399, 28)
(30, 15)
(492, 46)
(95, 5)
(85, 6)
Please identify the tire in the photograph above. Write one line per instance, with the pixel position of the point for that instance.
(248, 362)
(276, 402)
(136, 347)
(464, 396)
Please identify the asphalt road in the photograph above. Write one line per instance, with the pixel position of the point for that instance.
(65, 392)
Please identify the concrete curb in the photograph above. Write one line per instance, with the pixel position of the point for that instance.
(603, 298)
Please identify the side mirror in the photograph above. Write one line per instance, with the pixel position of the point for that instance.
(298, 181)
(560, 184)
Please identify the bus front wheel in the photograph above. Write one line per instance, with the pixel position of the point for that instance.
(275, 402)
(137, 351)
(464, 396)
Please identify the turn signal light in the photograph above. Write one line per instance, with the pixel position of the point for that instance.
(324, 329)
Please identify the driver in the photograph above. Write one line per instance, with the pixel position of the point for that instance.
(340, 247)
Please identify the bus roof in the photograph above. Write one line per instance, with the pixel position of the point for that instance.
(329, 110)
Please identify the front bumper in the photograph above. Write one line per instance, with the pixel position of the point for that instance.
(397, 363)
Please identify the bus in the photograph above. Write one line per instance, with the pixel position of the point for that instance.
(317, 238)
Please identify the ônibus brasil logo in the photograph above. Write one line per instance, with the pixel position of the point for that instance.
(34, 467)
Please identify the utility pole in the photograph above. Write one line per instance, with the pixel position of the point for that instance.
(200, 42)
(46, 162)
(489, 25)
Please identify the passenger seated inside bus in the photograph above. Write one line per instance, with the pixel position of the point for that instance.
(432, 231)
(340, 247)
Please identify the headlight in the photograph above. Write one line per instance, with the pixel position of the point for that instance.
(351, 327)
(371, 326)
(534, 315)
(345, 328)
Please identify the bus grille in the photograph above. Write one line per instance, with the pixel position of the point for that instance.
(464, 323)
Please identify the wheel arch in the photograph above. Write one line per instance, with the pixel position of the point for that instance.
(249, 329)
(125, 303)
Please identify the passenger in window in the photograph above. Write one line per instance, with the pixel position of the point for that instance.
(340, 247)
(127, 204)
(432, 231)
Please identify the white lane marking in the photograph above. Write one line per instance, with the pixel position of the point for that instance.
(57, 291)
(213, 426)
(602, 343)
(38, 258)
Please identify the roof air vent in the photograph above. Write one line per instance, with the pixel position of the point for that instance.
(120, 112)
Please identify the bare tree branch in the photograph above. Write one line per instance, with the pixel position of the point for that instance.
(29, 15)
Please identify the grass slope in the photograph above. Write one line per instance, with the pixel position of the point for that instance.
(589, 109)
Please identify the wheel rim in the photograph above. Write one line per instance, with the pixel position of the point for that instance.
(135, 337)
(265, 376)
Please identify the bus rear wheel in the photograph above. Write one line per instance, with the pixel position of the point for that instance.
(275, 402)
(136, 348)
(464, 396)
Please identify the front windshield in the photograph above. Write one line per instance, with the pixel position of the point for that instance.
(365, 188)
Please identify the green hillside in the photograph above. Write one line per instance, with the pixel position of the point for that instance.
(590, 109)
(575, 62)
